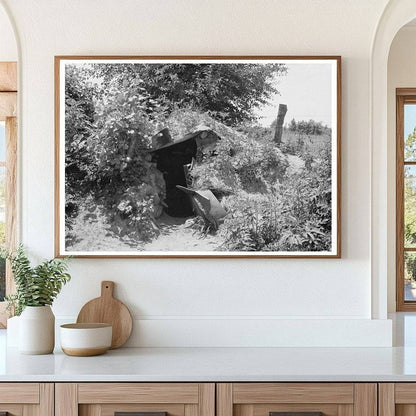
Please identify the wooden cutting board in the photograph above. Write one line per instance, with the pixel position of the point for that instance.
(107, 309)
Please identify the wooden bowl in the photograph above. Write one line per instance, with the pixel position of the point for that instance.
(84, 340)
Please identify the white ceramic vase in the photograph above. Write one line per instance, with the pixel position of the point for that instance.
(37, 330)
(13, 331)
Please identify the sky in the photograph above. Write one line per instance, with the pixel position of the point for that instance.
(306, 90)
(409, 119)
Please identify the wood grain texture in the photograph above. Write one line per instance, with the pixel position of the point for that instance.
(171, 409)
(263, 255)
(365, 399)
(405, 393)
(386, 399)
(31, 410)
(339, 159)
(224, 399)
(107, 309)
(57, 160)
(400, 304)
(207, 399)
(8, 105)
(138, 393)
(66, 399)
(11, 206)
(406, 91)
(27, 393)
(191, 410)
(405, 410)
(264, 409)
(244, 410)
(13, 409)
(252, 393)
(90, 410)
(403, 96)
(47, 399)
(11, 195)
(8, 76)
(345, 410)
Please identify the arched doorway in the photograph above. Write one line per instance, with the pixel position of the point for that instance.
(396, 14)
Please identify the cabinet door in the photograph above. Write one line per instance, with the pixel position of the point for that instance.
(297, 399)
(144, 399)
(26, 399)
(397, 399)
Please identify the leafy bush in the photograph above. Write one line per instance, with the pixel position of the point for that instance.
(230, 93)
(294, 216)
(79, 119)
(410, 266)
(2, 233)
(117, 172)
(310, 127)
(35, 286)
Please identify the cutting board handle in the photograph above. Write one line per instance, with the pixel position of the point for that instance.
(107, 288)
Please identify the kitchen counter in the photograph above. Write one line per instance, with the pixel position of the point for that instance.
(213, 364)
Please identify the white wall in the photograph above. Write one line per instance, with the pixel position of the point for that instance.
(181, 301)
(8, 47)
(401, 74)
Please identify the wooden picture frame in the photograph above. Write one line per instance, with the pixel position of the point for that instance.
(311, 241)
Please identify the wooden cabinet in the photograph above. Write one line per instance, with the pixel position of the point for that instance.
(106, 399)
(208, 399)
(27, 399)
(397, 399)
(297, 399)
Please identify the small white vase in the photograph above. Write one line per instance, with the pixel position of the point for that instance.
(37, 330)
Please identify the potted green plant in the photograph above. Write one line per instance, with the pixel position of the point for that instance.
(36, 289)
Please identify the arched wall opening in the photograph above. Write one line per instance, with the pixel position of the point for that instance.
(8, 43)
(401, 73)
(397, 14)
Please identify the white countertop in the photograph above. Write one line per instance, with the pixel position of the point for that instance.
(213, 364)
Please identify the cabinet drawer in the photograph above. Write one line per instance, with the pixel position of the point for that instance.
(297, 399)
(19, 393)
(153, 399)
(22, 399)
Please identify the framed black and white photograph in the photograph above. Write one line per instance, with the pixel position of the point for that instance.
(198, 156)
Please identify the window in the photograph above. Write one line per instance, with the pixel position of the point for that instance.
(8, 166)
(406, 199)
(2, 206)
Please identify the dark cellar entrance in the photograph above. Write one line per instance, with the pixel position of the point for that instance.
(170, 160)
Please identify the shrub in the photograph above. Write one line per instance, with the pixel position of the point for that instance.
(35, 286)
(120, 175)
(239, 162)
(294, 216)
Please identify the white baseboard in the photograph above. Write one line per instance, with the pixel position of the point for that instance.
(254, 332)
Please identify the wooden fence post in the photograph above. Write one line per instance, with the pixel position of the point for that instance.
(279, 123)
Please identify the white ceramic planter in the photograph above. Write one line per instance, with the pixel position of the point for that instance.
(13, 331)
(37, 330)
